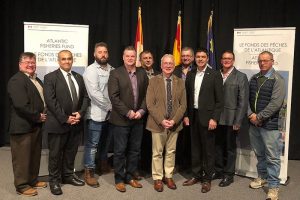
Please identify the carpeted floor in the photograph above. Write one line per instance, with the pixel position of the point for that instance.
(236, 191)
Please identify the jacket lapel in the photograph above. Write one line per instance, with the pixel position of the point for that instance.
(64, 84)
(162, 91)
(231, 76)
(31, 84)
(205, 80)
(78, 80)
(174, 89)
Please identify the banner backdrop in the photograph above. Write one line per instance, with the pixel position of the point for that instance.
(47, 39)
(248, 43)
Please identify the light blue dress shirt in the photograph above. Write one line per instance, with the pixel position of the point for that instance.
(95, 79)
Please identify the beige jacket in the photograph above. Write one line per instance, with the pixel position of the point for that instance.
(156, 103)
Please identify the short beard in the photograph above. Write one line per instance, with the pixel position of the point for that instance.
(102, 62)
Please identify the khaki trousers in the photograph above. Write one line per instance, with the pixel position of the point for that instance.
(163, 167)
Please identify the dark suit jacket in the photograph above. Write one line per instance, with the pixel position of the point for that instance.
(156, 103)
(121, 95)
(236, 96)
(59, 101)
(26, 104)
(210, 102)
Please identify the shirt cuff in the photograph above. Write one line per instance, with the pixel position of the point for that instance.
(141, 111)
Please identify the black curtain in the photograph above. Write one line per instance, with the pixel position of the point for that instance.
(114, 21)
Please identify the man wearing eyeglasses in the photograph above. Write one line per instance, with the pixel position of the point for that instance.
(236, 96)
(25, 93)
(267, 93)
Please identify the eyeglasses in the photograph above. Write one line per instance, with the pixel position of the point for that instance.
(28, 63)
(264, 61)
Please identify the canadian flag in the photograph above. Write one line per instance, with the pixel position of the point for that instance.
(139, 37)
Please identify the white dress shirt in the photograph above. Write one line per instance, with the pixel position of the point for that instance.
(198, 83)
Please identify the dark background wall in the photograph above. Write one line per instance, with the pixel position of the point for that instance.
(114, 21)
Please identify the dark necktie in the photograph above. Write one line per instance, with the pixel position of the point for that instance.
(169, 98)
(73, 93)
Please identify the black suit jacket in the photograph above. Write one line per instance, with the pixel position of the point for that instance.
(121, 95)
(210, 100)
(26, 104)
(59, 102)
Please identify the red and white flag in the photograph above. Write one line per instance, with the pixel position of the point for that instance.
(139, 37)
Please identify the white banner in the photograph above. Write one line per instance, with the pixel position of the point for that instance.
(248, 43)
(47, 39)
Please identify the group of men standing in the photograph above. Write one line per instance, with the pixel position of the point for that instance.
(204, 106)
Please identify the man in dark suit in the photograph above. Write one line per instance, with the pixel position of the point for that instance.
(204, 90)
(183, 152)
(25, 93)
(147, 62)
(127, 87)
(67, 101)
(236, 95)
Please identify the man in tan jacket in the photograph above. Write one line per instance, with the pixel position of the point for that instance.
(166, 102)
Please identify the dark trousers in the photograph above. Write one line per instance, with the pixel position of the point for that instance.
(26, 156)
(225, 150)
(146, 151)
(104, 144)
(203, 150)
(127, 148)
(183, 149)
(62, 152)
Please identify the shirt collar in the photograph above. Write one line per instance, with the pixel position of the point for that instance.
(203, 71)
(104, 68)
(131, 71)
(189, 67)
(268, 74)
(32, 77)
(165, 78)
(64, 72)
(228, 72)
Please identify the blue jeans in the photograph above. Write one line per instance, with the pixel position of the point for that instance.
(95, 129)
(127, 147)
(267, 145)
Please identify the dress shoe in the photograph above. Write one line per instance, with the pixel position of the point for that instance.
(216, 175)
(28, 193)
(170, 183)
(120, 187)
(40, 184)
(73, 181)
(55, 189)
(205, 187)
(226, 181)
(135, 184)
(190, 182)
(158, 185)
